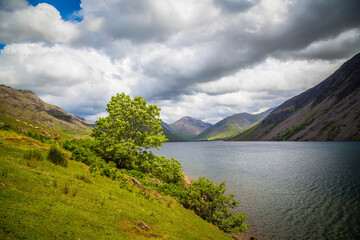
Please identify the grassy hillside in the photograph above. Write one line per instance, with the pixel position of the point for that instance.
(26, 112)
(40, 200)
(170, 135)
(232, 126)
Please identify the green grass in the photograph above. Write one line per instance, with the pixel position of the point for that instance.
(48, 201)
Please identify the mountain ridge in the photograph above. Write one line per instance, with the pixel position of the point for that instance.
(231, 126)
(29, 111)
(326, 112)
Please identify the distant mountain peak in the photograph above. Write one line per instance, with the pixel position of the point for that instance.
(188, 127)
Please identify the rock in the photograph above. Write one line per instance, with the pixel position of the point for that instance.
(154, 180)
(143, 225)
(187, 180)
(136, 183)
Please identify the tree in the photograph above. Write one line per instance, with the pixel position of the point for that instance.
(131, 127)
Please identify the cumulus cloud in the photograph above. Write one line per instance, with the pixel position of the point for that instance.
(40, 23)
(208, 59)
(80, 80)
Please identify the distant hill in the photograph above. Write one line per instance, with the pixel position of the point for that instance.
(329, 111)
(232, 126)
(188, 127)
(170, 135)
(25, 111)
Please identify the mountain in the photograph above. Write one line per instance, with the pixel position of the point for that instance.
(232, 125)
(329, 111)
(26, 112)
(169, 133)
(188, 127)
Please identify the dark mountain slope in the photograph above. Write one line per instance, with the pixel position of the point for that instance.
(232, 125)
(27, 111)
(328, 111)
(188, 127)
(169, 133)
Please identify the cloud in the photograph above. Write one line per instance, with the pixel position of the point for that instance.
(208, 59)
(32, 24)
(80, 80)
(235, 6)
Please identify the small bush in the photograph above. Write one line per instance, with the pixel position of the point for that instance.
(5, 127)
(40, 138)
(56, 156)
(33, 156)
(70, 190)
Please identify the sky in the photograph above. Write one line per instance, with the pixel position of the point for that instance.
(208, 59)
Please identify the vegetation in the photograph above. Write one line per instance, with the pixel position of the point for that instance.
(131, 127)
(208, 200)
(56, 156)
(294, 129)
(119, 153)
(49, 201)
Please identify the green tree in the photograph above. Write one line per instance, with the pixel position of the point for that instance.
(131, 127)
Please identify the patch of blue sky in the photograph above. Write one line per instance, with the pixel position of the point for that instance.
(68, 8)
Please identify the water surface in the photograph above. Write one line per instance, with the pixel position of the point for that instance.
(288, 190)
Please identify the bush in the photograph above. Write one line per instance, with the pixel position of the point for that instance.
(174, 190)
(165, 169)
(84, 150)
(208, 200)
(56, 156)
(33, 156)
(40, 138)
(5, 127)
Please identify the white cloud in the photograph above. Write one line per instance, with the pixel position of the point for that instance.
(80, 80)
(40, 23)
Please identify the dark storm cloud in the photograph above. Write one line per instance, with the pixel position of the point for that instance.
(308, 22)
(235, 6)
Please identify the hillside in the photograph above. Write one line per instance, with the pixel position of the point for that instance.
(40, 200)
(188, 127)
(170, 135)
(330, 111)
(232, 126)
(25, 111)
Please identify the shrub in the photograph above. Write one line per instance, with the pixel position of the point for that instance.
(56, 156)
(165, 169)
(5, 127)
(208, 200)
(40, 138)
(33, 156)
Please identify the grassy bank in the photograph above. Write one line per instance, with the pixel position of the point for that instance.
(41, 200)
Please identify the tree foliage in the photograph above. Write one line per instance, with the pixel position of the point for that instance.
(131, 127)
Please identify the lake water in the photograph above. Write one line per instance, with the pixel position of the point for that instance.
(288, 190)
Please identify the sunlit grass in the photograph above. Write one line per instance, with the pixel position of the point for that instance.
(52, 202)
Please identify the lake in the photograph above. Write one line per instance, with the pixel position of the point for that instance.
(288, 190)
